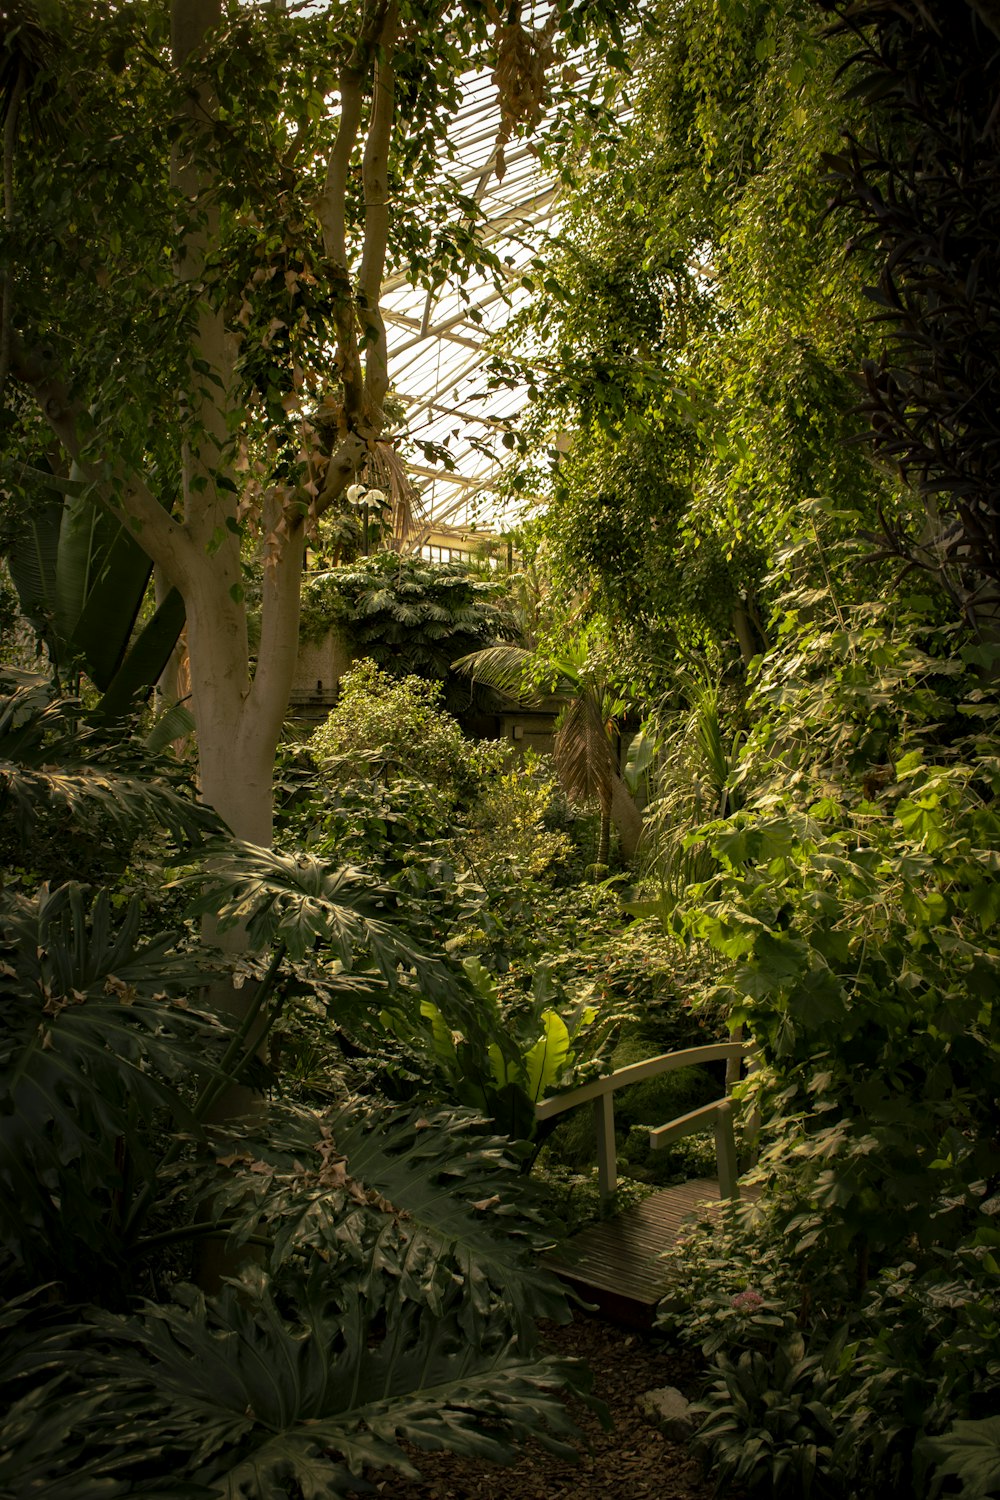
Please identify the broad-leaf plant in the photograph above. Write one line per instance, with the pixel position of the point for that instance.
(382, 1281)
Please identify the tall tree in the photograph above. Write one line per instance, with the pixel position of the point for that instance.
(197, 221)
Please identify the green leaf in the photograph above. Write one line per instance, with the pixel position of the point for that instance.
(145, 659)
(970, 1451)
(548, 1059)
(255, 1399)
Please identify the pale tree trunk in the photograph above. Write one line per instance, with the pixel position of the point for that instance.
(234, 781)
(238, 720)
(212, 588)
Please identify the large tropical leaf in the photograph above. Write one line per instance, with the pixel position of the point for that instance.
(98, 798)
(402, 1206)
(50, 1421)
(81, 577)
(96, 1036)
(141, 666)
(45, 1448)
(52, 764)
(175, 723)
(970, 1451)
(250, 1401)
(101, 577)
(32, 558)
(306, 903)
(548, 1059)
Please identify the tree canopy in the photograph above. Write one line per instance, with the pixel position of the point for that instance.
(200, 210)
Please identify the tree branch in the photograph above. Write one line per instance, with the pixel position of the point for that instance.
(127, 498)
(332, 213)
(376, 190)
(363, 388)
(7, 291)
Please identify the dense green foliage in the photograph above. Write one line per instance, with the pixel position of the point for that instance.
(690, 348)
(469, 834)
(424, 953)
(853, 901)
(823, 803)
(923, 175)
(408, 615)
(391, 1289)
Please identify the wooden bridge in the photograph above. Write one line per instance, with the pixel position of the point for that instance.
(614, 1264)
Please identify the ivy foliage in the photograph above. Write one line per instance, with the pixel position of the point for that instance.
(854, 897)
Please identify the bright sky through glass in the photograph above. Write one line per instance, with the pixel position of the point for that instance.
(436, 345)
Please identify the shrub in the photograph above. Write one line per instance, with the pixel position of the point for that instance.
(853, 902)
(387, 727)
(408, 615)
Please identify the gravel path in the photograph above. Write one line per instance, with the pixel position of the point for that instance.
(631, 1461)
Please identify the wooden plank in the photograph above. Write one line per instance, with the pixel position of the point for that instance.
(615, 1263)
(650, 1067)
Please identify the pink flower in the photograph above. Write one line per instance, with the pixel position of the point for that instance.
(747, 1301)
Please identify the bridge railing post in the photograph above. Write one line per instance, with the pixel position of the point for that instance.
(725, 1152)
(607, 1155)
(599, 1092)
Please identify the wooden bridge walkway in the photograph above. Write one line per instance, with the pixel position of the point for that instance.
(614, 1264)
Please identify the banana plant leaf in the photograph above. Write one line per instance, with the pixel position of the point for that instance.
(145, 659)
(81, 578)
(33, 558)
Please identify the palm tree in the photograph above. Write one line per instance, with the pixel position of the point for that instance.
(584, 745)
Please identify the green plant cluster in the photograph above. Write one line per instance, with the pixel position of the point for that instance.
(853, 902)
(386, 727)
(462, 833)
(689, 341)
(381, 1280)
(811, 1397)
(409, 615)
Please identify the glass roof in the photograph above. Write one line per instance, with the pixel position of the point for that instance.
(437, 341)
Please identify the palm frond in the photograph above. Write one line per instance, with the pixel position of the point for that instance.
(504, 668)
(583, 753)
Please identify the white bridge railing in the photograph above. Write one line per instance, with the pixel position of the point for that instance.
(718, 1114)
